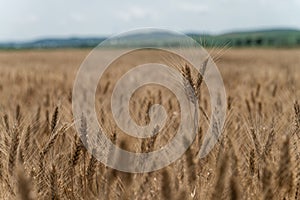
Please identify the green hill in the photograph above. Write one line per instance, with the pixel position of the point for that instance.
(260, 38)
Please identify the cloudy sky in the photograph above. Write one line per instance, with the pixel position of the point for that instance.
(33, 19)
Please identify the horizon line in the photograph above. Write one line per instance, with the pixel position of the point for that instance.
(104, 36)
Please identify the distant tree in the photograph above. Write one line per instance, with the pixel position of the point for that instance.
(298, 41)
(258, 41)
(248, 42)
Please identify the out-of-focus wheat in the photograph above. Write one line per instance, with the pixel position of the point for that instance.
(257, 157)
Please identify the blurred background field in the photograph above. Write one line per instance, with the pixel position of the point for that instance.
(256, 157)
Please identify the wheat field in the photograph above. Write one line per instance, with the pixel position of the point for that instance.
(257, 156)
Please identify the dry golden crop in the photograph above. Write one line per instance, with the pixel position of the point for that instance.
(257, 157)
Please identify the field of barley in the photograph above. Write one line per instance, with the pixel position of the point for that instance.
(256, 157)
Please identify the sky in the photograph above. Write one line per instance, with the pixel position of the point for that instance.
(34, 19)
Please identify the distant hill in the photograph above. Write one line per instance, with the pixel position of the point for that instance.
(259, 38)
(271, 38)
(54, 43)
